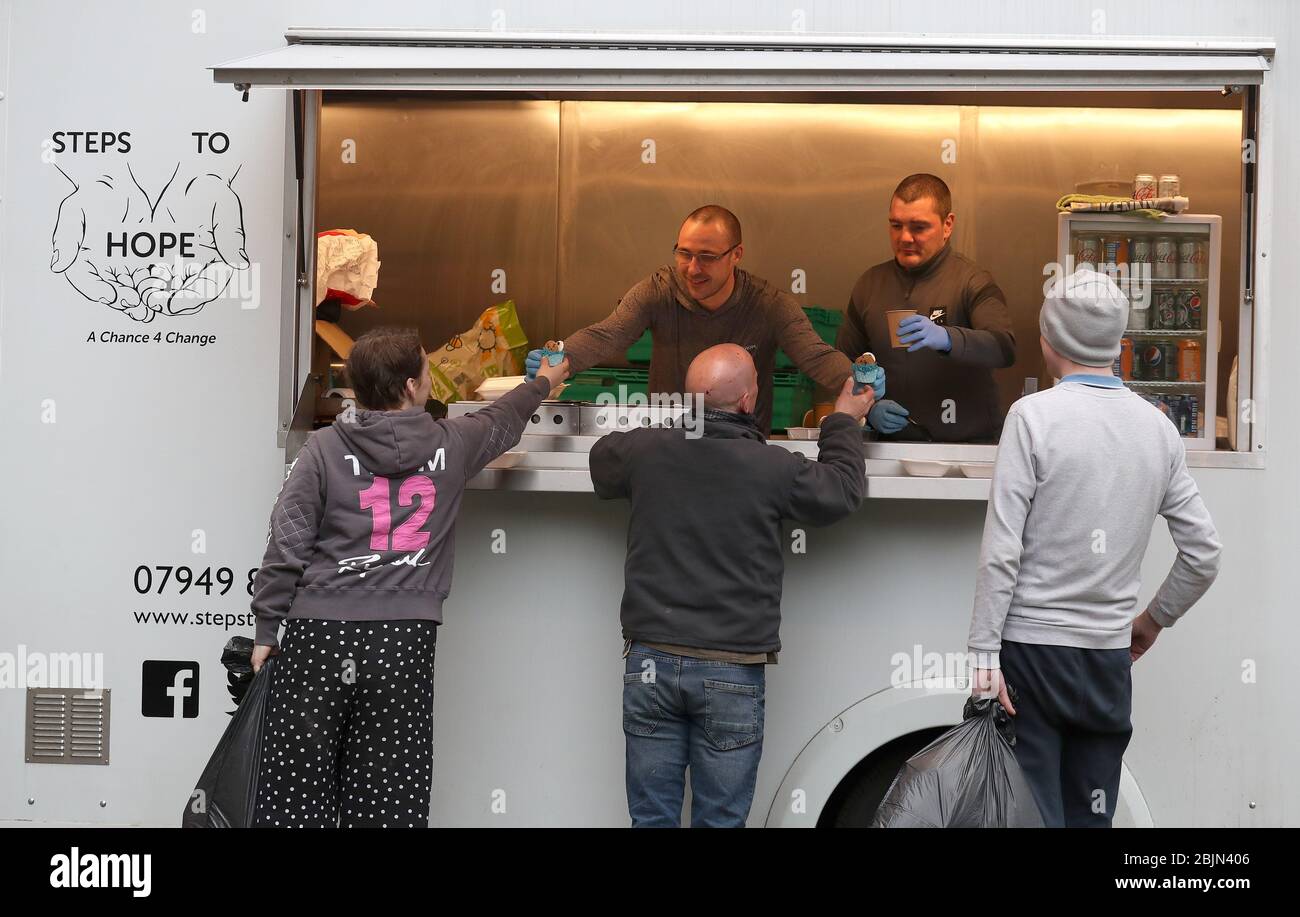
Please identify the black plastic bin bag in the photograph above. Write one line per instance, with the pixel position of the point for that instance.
(966, 778)
(227, 790)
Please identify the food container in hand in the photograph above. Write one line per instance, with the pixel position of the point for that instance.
(866, 372)
(554, 352)
(496, 386)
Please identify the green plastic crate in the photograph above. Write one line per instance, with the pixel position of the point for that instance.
(585, 386)
(792, 397)
(826, 322)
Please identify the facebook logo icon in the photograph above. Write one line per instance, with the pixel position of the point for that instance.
(169, 688)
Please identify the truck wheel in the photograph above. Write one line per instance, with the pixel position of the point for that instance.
(855, 800)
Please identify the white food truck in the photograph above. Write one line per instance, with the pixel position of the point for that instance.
(155, 390)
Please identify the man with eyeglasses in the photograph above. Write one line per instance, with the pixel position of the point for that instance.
(941, 385)
(702, 299)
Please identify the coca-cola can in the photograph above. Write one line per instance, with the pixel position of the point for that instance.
(1169, 186)
(1141, 256)
(1166, 258)
(1191, 259)
(1087, 250)
(1144, 187)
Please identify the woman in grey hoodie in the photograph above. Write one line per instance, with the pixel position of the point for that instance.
(358, 563)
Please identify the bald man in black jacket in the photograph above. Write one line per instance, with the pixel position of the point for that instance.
(701, 607)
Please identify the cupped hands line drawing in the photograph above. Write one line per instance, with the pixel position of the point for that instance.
(203, 208)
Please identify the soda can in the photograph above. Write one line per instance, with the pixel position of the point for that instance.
(1124, 362)
(1189, 309)
(1115, 251)
(1159, 403)
(1189, 360)
(1141, 257)
(1087, 250)
(1153, 362)
(1195, 321)
(1191, 259)
(1180, 312)
(1185, 414)
(1160, 362)
(1166, 258)
(1164, 310)
(1169, 186)
(1144, 187)
(1193, 403)
(1138, 317)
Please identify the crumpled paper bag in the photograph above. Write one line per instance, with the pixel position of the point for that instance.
(347, 262)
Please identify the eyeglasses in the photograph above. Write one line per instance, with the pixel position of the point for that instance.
(706, 259)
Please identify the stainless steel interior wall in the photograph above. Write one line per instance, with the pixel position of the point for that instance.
(578, 200)
(453, 193)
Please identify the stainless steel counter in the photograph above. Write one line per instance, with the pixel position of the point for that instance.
(559, 464)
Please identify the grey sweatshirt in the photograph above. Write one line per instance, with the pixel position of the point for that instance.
(756, 313)
(364, 528)
(1081, 472)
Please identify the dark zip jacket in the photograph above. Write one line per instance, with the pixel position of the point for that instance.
(953, 395)
(705, 546)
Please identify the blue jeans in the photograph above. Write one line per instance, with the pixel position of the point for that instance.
(678, 710)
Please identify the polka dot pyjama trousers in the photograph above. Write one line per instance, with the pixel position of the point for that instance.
(348, 738)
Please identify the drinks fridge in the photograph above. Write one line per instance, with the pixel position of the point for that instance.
(1169, 270)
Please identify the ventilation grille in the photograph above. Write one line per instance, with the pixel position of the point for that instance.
(67, 726)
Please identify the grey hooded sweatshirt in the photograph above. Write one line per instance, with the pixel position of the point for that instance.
(364, 527)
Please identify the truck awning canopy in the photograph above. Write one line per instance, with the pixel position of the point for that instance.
(585, 62)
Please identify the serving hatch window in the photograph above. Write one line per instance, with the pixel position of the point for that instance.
(562, 204)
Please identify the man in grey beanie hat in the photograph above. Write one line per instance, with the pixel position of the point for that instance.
(1082, 470)
(1083, 318)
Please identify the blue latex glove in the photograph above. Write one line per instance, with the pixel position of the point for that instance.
(887, 416)
(919, 331)
(872, 374)
(532, 363)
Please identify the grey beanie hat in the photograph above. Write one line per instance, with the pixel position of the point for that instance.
(1083, 318)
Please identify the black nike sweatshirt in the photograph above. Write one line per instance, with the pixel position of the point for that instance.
(364, 528)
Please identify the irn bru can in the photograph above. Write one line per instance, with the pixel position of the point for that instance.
(1189, 361)
(1126, 359)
